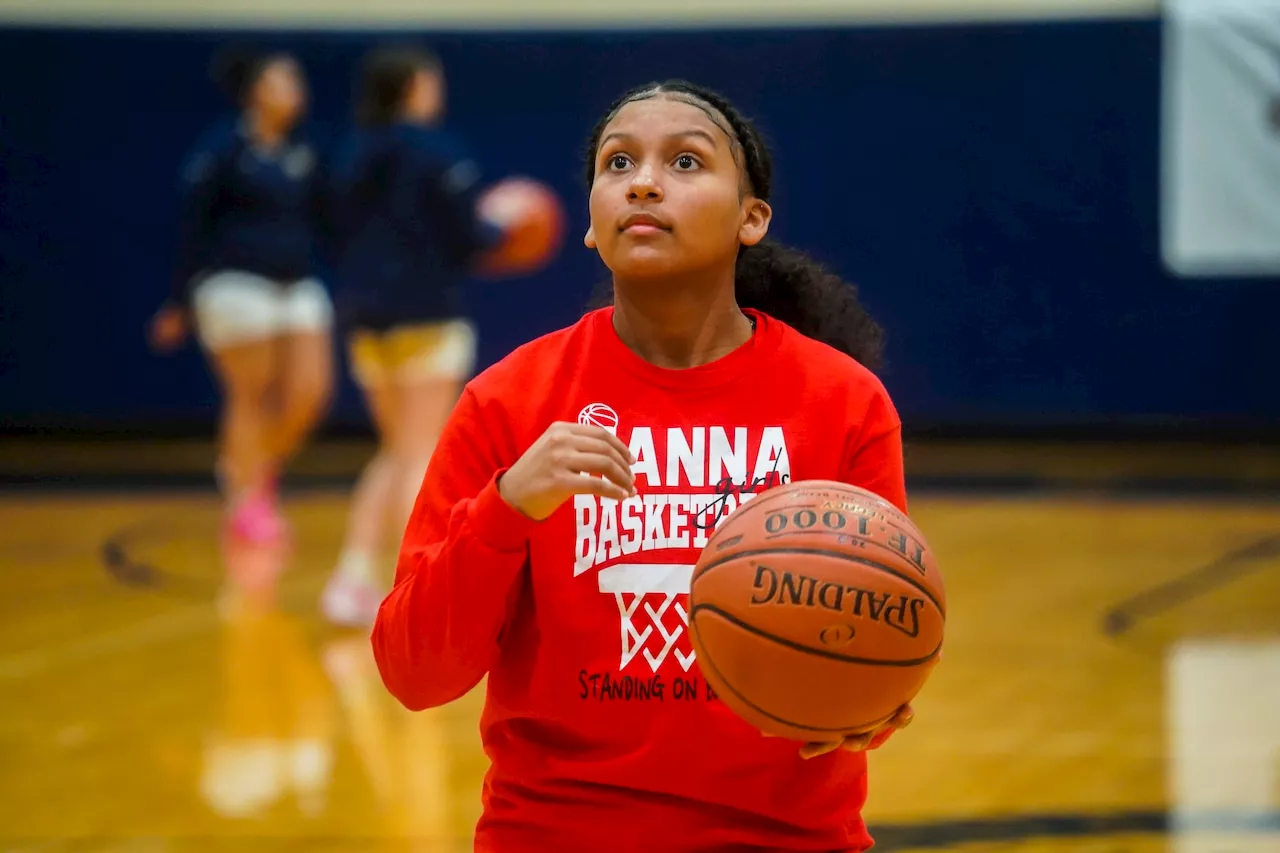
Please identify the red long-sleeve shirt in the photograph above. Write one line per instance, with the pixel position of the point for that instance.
(599, 727)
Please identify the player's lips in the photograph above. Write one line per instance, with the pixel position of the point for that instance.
(643, 223)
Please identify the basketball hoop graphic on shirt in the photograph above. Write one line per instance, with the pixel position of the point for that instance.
(652, 609)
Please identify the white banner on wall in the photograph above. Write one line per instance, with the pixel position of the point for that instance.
(1221, 138)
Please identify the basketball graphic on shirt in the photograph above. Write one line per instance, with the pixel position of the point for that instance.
(600, 415)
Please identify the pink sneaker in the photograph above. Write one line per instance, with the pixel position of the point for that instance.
(256, 519)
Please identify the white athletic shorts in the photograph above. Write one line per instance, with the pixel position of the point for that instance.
(236, 307)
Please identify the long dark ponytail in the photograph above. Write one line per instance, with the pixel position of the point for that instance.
(236, 69)
(782, 282)
(386, 74)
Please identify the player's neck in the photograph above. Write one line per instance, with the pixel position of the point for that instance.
(679, 328)
(265, 133)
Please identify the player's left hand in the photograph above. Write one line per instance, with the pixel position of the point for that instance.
(864, 741)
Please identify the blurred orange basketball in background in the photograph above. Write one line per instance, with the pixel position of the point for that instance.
(533, 219)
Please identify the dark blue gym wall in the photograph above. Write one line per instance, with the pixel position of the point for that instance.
(992, 188)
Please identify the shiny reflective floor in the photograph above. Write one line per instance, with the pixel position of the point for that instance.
(1111, 683)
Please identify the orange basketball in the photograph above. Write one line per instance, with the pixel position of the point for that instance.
(533, 222)
(816, 610)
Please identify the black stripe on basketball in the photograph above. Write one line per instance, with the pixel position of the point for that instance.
(809, 650)
(789, 534)
(724, 685)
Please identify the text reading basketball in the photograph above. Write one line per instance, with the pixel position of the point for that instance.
(712, 460)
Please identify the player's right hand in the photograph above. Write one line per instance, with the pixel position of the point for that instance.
(168, 328)
(552, 470)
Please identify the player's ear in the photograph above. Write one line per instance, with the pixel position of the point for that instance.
(757, 215)
(589, 240)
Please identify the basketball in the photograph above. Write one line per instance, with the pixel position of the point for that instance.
(532, 219)
(816, 610)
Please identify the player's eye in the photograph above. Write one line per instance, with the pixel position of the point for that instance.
(685, 162)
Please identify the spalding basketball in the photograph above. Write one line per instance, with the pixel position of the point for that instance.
(816, 611)
(533, 224)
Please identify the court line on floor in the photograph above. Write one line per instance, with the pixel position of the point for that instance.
(116, 555)
(1190, 585)
(180, 620)
(171, 624)
(153, 629)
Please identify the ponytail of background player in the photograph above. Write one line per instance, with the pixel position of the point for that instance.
(404, 199)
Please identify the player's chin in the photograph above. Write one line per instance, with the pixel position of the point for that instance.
(646, 262)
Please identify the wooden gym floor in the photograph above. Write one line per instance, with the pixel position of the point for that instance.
(1111, 682)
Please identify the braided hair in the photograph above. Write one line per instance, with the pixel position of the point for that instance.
(776, 280)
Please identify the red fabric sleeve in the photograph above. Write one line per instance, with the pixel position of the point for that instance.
(459, 569)
(875, 456)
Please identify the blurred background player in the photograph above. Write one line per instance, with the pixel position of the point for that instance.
(405, 199)
(245, 275)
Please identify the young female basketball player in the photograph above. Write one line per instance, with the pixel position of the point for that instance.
(576, 481)
(245, 276)
(404, 200)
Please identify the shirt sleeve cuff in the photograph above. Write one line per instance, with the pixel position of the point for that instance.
(496, 522)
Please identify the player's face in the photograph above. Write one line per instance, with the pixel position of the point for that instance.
(667, 197)
(281, 92)
(424, 101)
